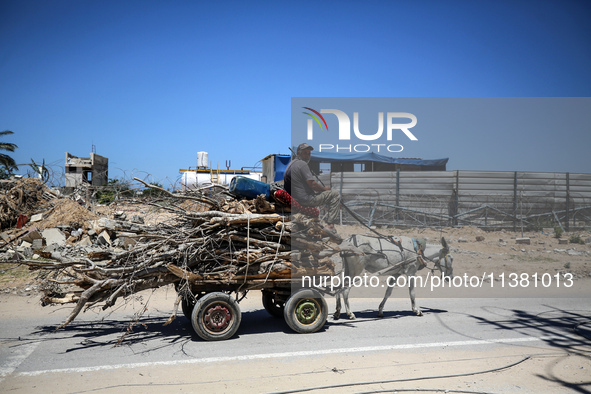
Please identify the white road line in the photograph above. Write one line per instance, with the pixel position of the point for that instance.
(290, 354)
(16, 357)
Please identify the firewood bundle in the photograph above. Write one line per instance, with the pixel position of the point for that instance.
(225, 241)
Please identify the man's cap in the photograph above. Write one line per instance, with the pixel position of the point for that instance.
(303, 146)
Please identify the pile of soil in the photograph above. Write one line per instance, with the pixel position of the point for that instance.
(67, 213)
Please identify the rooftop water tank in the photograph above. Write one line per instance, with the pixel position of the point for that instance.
(202, 160)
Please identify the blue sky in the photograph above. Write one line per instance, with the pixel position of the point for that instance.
(151, 83)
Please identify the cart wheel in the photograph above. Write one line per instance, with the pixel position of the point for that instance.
(306, 311)
(216, 316)
(273, 304)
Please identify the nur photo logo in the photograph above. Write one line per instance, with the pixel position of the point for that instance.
(393, 124)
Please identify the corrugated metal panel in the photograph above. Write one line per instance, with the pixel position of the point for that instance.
(497, 197)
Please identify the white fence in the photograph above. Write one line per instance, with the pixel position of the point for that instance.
(485, 199)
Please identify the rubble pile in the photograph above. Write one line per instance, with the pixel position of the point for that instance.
(22, 197)
(89, 261)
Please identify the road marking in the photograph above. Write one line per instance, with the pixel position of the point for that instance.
(16, 357)
(308, 353)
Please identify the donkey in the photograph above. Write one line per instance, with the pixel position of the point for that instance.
(394, 256)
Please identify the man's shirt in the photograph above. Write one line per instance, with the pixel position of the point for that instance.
(296, 180)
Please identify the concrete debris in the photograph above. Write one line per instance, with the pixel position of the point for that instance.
(522, 241)
(574, 252)
(104, 238)
(54, 236)
(37, 244)
(36, 218)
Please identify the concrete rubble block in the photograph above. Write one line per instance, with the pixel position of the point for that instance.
(37, 244)
(32, 235)
(24, 245)
(28, 252)
(85, 241)
(563, 241)
(103, 224)
(522, 241)
(25, 248)
(50, 248)
(107, 223)
(54, 236)
(36, 218)
(104, 238)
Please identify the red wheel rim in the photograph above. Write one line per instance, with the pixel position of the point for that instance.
(217, 318)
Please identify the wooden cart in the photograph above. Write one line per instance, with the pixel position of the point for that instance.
(215, 313)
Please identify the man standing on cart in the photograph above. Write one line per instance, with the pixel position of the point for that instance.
(301, 184)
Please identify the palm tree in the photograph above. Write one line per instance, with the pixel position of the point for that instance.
(6, 160)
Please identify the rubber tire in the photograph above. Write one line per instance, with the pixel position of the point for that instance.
(306, 311)
(274, 307)
(217, 305)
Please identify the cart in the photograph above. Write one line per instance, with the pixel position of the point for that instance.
(215, 314)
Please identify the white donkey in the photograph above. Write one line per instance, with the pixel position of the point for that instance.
(394, 256)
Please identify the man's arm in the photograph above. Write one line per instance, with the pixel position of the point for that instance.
(316, 186)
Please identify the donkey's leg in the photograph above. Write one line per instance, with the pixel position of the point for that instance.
(337, 312)
(386, 296)
(411, 292)
(350, 314)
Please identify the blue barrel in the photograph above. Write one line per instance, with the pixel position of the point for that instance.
(249, 188)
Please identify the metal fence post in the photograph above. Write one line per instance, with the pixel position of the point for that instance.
(457, 200)
(397, 193)
(341, 194)
(515, 201)
(567, 201)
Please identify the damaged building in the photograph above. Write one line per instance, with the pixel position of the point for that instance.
(93, 170)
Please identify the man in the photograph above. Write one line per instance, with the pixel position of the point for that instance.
(301, 184)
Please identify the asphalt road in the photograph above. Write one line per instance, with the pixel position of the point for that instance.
(132, 351)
